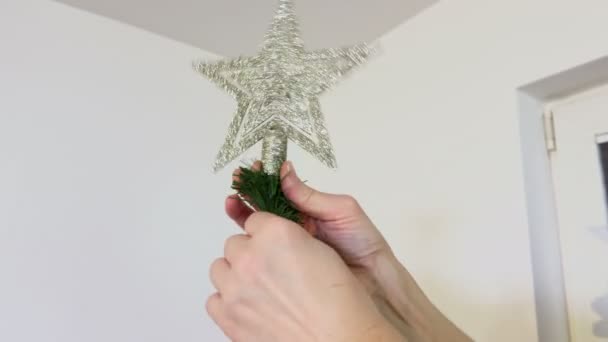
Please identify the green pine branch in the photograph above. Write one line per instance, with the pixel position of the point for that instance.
(264, 192)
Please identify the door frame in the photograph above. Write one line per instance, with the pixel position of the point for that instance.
(550, 296)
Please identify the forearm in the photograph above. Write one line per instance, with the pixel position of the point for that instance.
(406, 306)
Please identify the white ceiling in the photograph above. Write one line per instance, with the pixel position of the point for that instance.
(235, 27)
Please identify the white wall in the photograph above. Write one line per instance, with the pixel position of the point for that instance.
(441, 103)
(109, 215)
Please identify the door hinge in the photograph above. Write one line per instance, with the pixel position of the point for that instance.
(549, 125)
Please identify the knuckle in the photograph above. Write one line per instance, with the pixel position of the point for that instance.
(286, 232)
(249, 221)
(276, 223)
(214, 265)
(230, 243)
(255, 220)
(246, 263)
(211, 305)
(308, 195)
(350, 203)
(227, 243)
(269, 224)
(224, 316)
(214, 268)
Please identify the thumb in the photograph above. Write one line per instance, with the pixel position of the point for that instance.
(311, 202)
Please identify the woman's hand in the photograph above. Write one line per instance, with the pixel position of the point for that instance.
(277, 283)
(341, 223)
(337, 220)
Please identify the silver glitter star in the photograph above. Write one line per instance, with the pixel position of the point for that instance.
(278, 93)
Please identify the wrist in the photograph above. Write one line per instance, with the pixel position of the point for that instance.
(400, 298)
(406, 306)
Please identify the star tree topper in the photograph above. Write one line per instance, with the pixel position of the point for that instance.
(278, 93)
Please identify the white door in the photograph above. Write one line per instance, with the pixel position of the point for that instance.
(580, 175)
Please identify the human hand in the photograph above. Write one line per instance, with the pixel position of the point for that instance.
(341, 223)
(337, 220)
(277, 283)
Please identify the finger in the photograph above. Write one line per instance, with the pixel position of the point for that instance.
(235, 175)
(234, 246)
(257, 166)
(237, 210)
(219, 273)
(314, 203)
(215, 309)
(260, 220)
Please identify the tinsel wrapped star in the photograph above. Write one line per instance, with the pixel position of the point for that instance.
(278, 91)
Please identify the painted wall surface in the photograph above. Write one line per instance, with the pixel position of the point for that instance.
(110, 216)
(448, 115)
